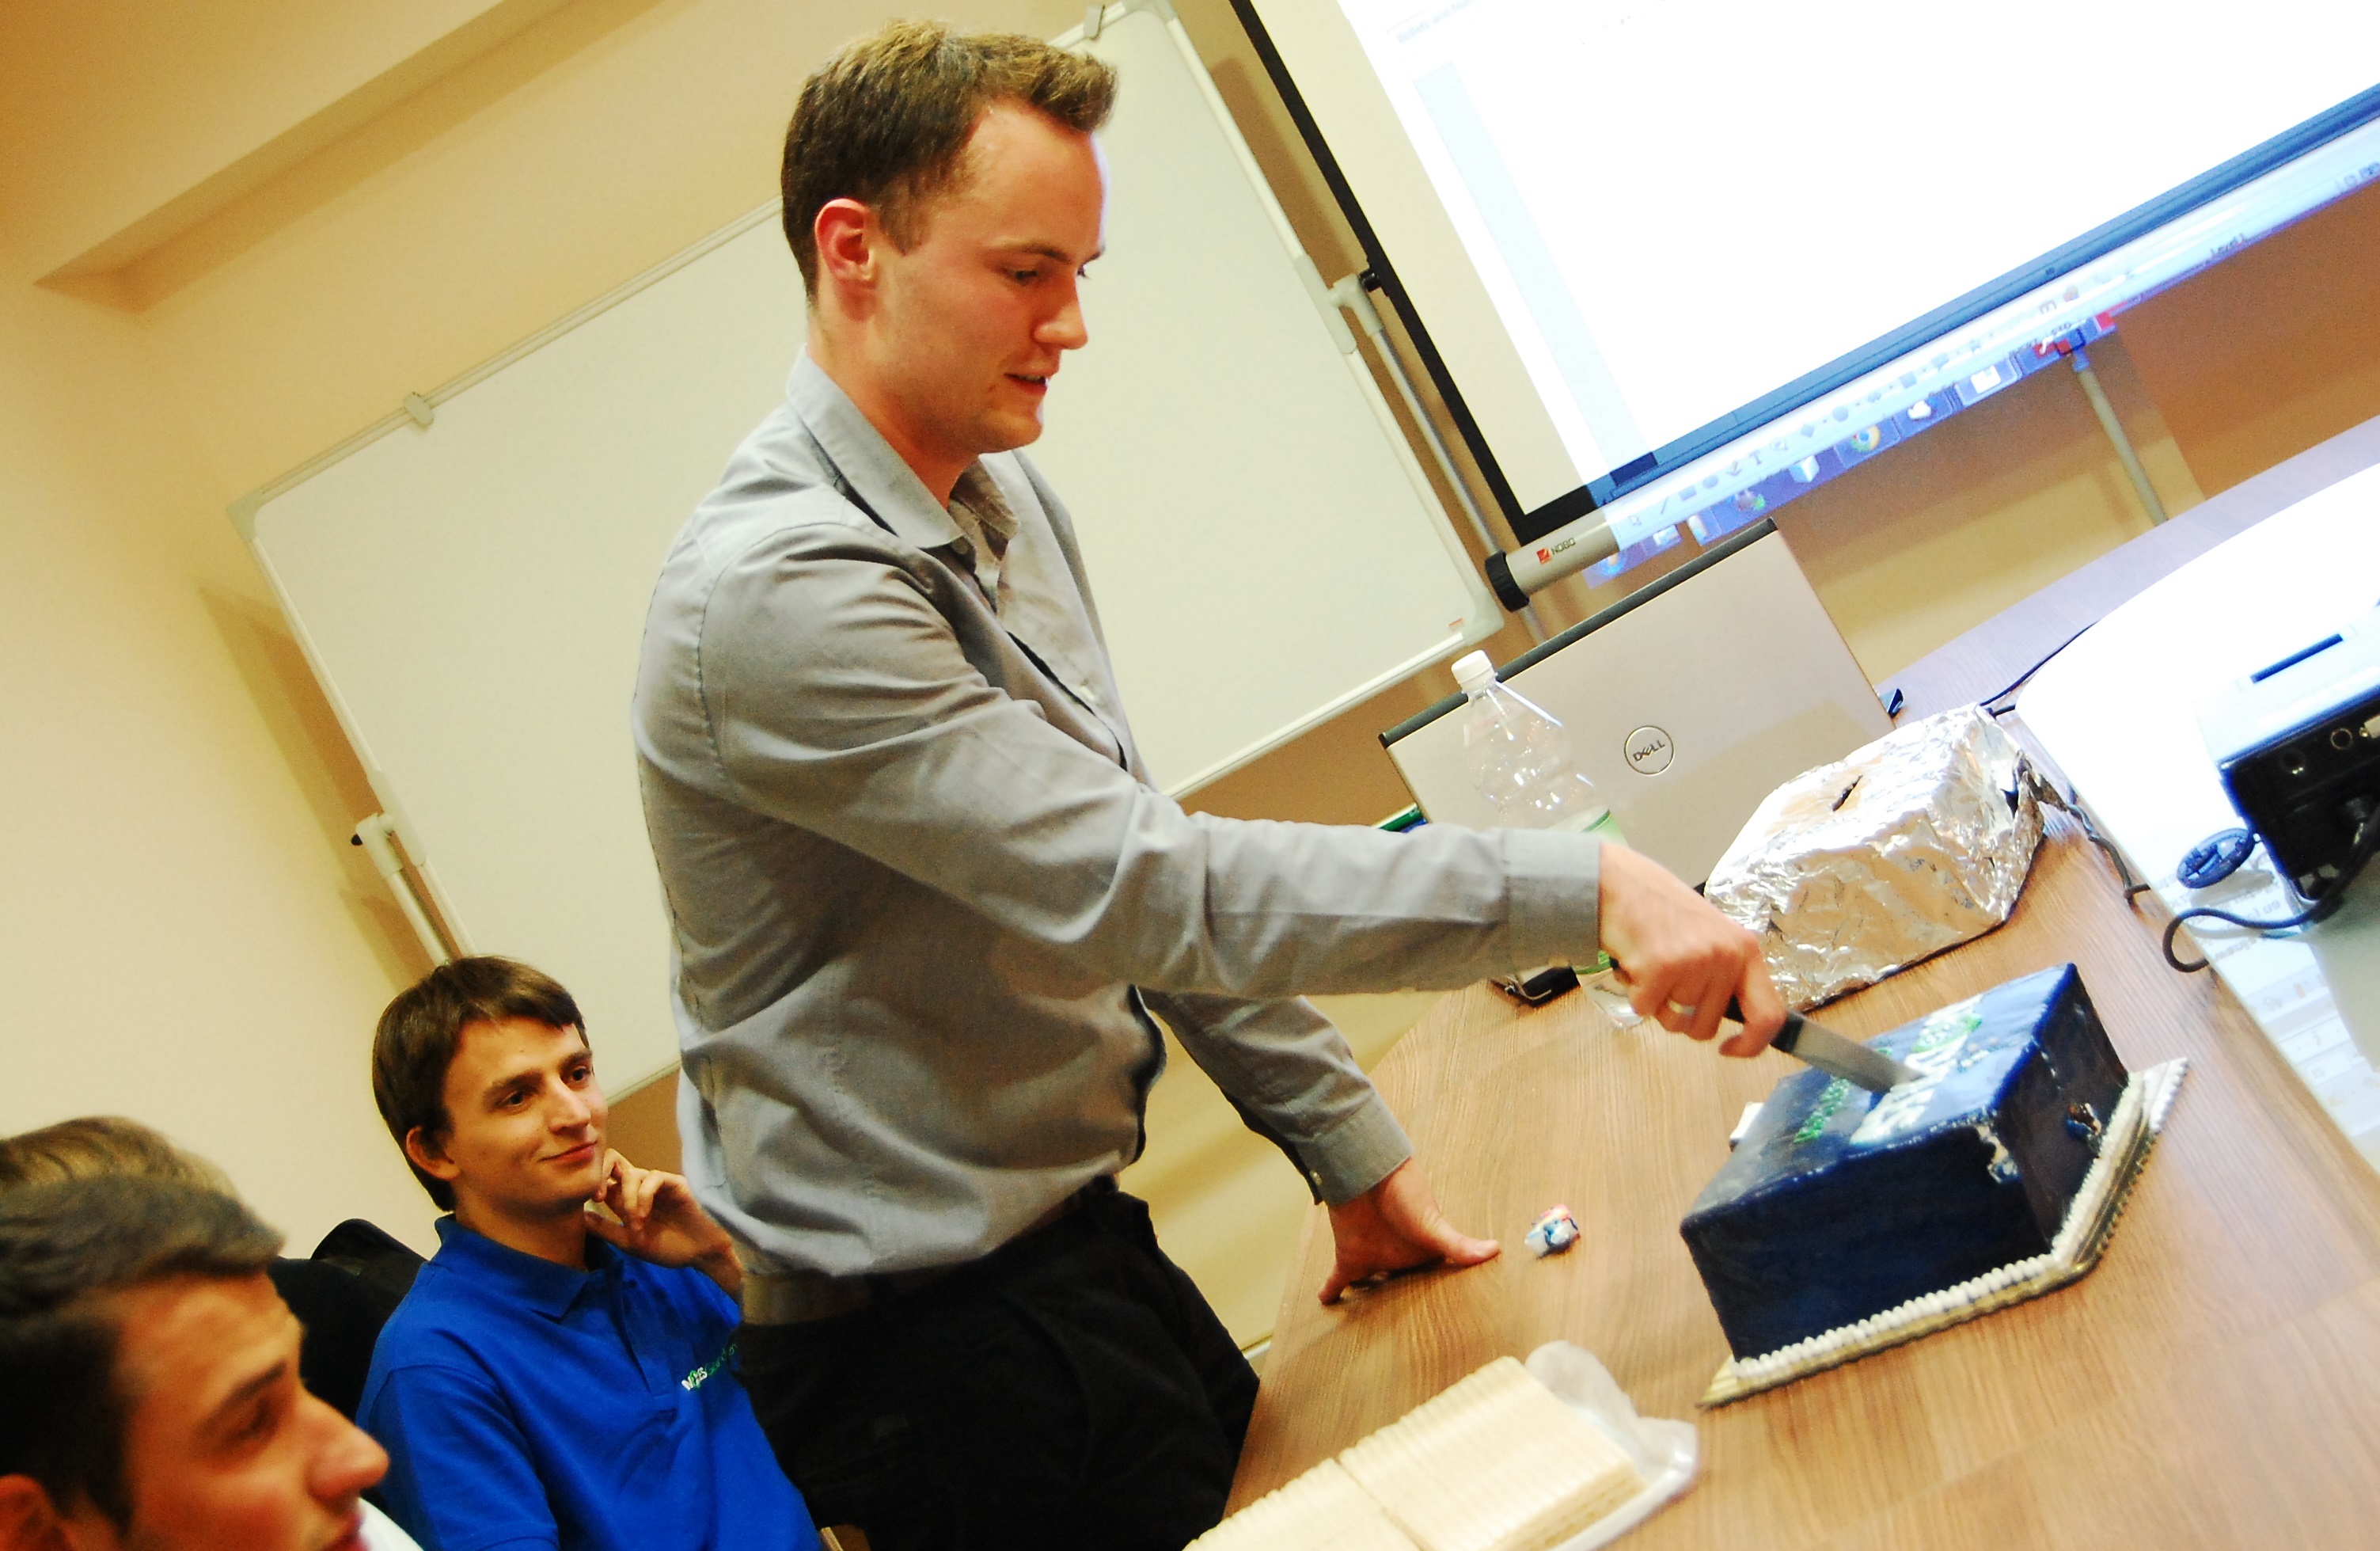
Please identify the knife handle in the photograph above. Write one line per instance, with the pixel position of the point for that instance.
(1787, 1037)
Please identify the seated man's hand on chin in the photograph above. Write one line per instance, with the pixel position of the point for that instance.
(1683, 960)
(659, 1220)
(1395, 1227)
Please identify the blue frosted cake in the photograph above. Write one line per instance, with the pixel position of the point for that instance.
(1840, 1204)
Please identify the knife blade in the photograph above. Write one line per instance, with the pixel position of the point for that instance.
(1840, 1057)
(1837, 1055)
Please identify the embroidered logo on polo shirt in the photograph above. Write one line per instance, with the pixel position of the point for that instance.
(701, 1376)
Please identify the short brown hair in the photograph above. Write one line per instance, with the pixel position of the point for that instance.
(886, 120)
(418, 1033)
(94, 1146)
(65, 1248)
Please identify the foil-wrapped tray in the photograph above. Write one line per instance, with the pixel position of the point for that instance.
(1915, 843)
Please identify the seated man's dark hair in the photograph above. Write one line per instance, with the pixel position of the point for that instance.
(886, 120)
(64, 1249)
(419, 1031)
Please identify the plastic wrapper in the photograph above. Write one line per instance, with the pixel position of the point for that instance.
(1913, 844)
(1665, 1452)
(1356, 1497)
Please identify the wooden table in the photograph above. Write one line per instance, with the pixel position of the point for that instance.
(2215, 1381)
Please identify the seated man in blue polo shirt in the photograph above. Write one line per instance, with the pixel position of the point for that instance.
(556, 1378)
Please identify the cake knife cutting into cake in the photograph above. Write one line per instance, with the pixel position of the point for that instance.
(1836, 1055)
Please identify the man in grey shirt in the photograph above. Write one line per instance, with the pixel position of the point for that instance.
(925, 901)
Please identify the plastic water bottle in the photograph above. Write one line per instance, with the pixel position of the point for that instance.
(1520, 759)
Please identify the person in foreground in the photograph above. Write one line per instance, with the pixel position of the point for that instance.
(559, 1375)
(340, 1314)
(928, 908)
(148, 1389)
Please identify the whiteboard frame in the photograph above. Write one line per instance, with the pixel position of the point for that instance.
(244, 512)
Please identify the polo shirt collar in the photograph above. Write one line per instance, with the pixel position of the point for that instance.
(535, 1283)
(888, 487)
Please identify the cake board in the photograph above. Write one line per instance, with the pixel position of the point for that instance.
(2090, 1221)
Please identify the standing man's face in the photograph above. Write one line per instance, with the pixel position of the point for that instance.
(958, 337)
(222, 1446)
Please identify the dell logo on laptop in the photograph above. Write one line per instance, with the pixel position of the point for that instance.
(1649, 750)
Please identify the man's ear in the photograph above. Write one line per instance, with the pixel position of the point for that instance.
(846, 234)
(29, 1522)
(429, 1155)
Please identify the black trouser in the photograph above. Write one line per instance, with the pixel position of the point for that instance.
(1070, 1389)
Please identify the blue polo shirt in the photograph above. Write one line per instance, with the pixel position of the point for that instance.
(527, 1404)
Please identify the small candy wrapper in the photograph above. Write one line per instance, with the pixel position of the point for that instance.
(1553, 1233)
(1911, 845)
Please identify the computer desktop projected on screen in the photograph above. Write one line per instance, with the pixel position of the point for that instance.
(1634, 230)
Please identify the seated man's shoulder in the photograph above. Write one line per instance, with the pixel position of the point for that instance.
(440, 1325)
(454, 1287)
(455, 1320)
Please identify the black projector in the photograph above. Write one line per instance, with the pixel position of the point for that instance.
(2298, 744)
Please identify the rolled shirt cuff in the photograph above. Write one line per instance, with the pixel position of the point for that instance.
(1356, 1153)
(1555, 890)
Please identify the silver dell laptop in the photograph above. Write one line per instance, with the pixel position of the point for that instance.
(1687, 703)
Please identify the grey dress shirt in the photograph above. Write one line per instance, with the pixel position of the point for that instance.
(923, 898)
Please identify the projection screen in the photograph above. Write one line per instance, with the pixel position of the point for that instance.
(1629, 235)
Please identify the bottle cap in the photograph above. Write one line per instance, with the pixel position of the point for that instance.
(1473, 672)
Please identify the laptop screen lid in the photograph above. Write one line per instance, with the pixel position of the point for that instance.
(1686, 703)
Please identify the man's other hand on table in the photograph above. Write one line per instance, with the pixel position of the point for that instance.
(1396, 1226)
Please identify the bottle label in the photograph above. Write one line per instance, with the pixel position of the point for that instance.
(1597, 822)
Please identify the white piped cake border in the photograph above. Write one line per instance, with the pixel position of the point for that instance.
(2090, 1220)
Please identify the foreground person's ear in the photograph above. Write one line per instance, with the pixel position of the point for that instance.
(29, 1522)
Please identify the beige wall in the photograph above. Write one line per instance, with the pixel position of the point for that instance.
(261, 223)
(184, 935)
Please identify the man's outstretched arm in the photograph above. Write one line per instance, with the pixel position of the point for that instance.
(1684, 962)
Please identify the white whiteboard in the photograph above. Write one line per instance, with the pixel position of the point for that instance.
(472, 593)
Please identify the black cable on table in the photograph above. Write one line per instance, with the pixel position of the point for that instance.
(2048, 792)
(2019, 682)
(2366, 833)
